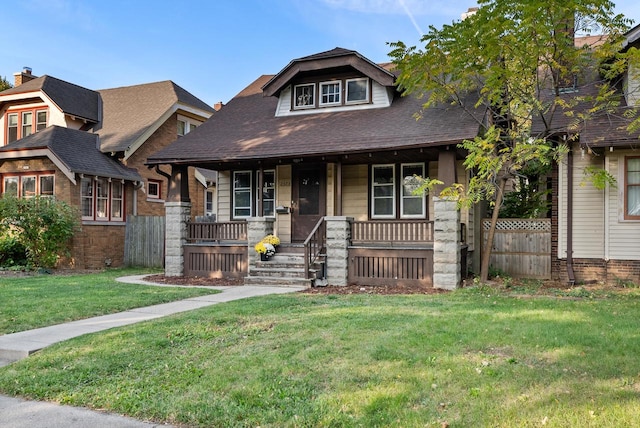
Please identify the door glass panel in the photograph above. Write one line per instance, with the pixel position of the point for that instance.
(309, 193)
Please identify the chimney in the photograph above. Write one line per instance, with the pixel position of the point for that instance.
(23, 77)
(217, 106)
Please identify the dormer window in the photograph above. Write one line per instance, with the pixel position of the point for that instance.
(305, 96)
(24, 123)
(357, 90)
(330, 93)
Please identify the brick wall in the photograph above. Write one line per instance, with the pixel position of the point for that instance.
(164, 135)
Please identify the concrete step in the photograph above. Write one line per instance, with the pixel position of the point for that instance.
(278, 271)
(277, 281)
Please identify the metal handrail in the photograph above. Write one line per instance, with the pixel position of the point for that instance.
(314, 244)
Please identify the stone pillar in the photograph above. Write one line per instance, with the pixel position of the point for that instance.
(338, 238)
(177, 214)
(446, 244)
(257, 228)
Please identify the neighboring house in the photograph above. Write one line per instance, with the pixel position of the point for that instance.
(328, 137)
(596, 232)
(88, 148)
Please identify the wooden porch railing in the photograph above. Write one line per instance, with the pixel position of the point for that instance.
(314, 245)
(215, 232)
(371, 232)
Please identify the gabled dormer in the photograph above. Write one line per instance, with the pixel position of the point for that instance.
(335, 80)
(38, 102)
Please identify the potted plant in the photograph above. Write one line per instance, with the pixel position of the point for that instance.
(271, 239)
(265, 250)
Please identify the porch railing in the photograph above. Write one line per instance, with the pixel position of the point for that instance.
(314, 245)
(371, 232)
(201, 232)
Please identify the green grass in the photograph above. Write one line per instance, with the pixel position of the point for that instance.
(478, 357)
(42, 300)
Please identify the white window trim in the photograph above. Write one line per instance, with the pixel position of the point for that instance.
(402, 196)
(346, 97)
(37, 123)
(35, 185)
(154, 196)
(4, 184)
(92, 197)
(40, 177)
(38, 184)
(113, 198)
(106, 198)
(393, 196)
(213, 211)
(304, 107)
(109, 200)
(189, 124)
(250, 189)
(339, 94)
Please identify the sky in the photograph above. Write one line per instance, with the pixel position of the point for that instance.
(212, 48)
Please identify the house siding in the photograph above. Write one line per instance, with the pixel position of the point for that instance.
(224, 196)
(588, 210)
(624, 235)
(355, 191)
(632, 84)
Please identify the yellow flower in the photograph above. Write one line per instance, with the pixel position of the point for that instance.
(271, 239)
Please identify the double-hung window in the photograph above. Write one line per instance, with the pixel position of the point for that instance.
(412, 205)
(186, 125)
(632, 188)
(242, 194)
(385, 187)
(383, 191)
(24, 123)
(330, 93)
(12, 127)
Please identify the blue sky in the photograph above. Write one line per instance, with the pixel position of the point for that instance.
(212, 48)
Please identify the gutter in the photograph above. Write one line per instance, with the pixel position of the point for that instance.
(570, 272)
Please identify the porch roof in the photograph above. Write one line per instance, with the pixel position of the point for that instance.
(247, 130)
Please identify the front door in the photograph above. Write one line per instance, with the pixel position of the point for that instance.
(309, 199)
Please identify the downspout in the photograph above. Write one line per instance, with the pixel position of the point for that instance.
(570, 273)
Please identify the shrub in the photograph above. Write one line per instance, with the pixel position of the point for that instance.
(43, 226)
(12, 252)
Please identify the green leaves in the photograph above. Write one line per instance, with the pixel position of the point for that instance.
(43, 225)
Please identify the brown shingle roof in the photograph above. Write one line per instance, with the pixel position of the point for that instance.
(130, 111)
(247, 128)
(72, 99)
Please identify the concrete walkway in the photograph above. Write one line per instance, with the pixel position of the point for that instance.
(18, 413)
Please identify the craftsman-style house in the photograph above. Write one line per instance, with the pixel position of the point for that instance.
(324, 155)
(88, 149)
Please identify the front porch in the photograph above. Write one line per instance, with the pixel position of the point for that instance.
(338, 251)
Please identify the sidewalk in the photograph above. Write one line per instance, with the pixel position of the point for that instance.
(18, 413)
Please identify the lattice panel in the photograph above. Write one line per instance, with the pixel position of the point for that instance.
(520, 224)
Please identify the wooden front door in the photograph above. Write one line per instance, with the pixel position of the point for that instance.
(309, 199)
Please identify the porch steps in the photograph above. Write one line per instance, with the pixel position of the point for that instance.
(283, 269)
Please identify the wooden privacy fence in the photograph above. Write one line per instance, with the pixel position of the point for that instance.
(144, 241)
(521, 247)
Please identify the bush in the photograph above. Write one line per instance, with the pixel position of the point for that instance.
(12, 252)
(43, 226)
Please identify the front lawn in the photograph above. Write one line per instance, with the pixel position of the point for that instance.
(478, 357)
(42, 300)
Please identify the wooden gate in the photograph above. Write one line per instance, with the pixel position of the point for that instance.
(521, 247)
(144, 241)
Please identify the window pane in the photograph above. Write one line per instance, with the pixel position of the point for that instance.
(28, 187)
(116, 199)
(268, 193)
(382, 191)
(209, 202)
(357, 90)
(633, 177)
(383, 206)
(242, 194)
(303, 96)
(102, 197)
(412, 206)
(11, 186)
(181, 127)
(633, 200)
(12, 128)
(27, 121)
(383, 174)
(242, 180)
(41, 120)
(46, 185)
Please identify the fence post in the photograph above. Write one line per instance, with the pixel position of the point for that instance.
(338, 237)
(257, 228)
(447, 258)
(177, 215)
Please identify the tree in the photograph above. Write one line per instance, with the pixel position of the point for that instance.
(517, 62)
(43, 226)
(4, 84)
